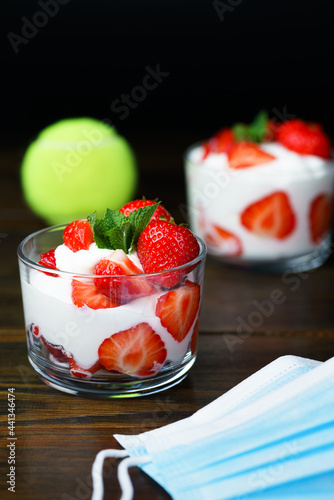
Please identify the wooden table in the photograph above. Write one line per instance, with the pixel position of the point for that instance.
(58, 435)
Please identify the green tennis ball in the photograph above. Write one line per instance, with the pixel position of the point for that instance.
(77, 166)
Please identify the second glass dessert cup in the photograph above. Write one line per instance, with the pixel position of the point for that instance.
(118, 347)
(225, 206)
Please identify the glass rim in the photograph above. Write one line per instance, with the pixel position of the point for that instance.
(66, 274)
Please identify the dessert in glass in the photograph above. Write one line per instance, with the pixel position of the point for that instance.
(261, 195)
(112, 305)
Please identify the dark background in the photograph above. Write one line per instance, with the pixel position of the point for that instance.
(225, 60)
(222, 66)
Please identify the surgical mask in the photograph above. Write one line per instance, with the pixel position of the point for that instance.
(271, 436)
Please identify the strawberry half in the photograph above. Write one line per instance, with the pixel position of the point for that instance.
(136, 204)
(164, 245)
(178, 309)
(304, 138)
(48, 259)
(79, 372)
(270, 217)
(320, 217)
(138, 351)
(87, 294)
(221, 142)
(78, 235)
(223, 241)
(119, 290)
(55, 350)
(247, 154)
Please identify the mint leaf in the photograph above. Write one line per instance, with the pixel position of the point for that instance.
(255, 131)
(116, 230)
(120, 237)
(258, 127)
(139, 220)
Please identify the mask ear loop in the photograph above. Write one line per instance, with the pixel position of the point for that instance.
(122, 472)
(97, 470)
(124, 476)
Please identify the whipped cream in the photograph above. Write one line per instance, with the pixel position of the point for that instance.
(218, 195)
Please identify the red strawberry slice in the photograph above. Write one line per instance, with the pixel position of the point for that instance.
(79, 372)
(178, 309)
(164, 245)
(270, 217)
(55, 350)
(304, 138)
(247, 154)
(136, 204)
(223, 241)
(78, 235)
(89, 295)
(138, 351)
(221, 142)
(48, 259)
(120, 290)
(320, 217)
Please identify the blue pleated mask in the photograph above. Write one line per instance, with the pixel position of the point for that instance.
(270, 437)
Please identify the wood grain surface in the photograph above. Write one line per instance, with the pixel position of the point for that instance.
(58, 435)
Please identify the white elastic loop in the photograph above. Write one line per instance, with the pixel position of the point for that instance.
(124, 476)
(97, 470)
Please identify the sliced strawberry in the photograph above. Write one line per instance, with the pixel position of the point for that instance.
(178, 309)
(48, 259)
(247, 154)
(164, 245)
(121, 290)
(135, 204)
(270, 217)
(35, 330)
(223, 241)
(304, 138)
(224, 140)
(55, 350)
(79, 372)
(138, 351)
(78, 235)
(89, 295)
(221, 142)
(320, 217)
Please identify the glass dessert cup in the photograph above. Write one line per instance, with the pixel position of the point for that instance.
(64, 340)
(218, 198)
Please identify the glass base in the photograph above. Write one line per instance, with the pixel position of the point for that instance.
(299, 263)
(113, 386)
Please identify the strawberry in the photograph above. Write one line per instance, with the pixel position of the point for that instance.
(78, 235)
(178, 309)
(221, 142)
(164, 245)
(55, 350)
(247, 154)
(138, 351)
(270, 217)
(89, 295)
(320, 217)
(220, 239)
(79, 372)
(121, 290)
(135, 204)
(48, 259)
(304, 138)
